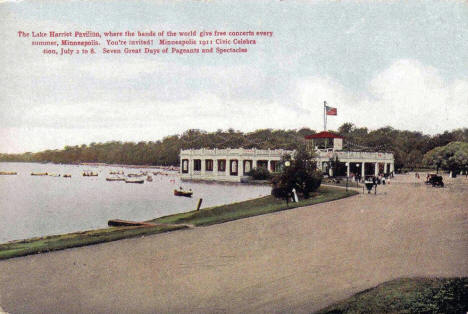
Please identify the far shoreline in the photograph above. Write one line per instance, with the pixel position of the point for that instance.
(98, 164)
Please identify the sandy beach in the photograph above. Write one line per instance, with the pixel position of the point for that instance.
(298, 260)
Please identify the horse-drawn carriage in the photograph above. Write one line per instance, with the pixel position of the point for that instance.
(434, 180)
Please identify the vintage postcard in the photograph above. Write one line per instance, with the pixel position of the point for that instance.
(271, 156)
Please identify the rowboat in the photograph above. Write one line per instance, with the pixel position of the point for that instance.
(38, 173)
(90, 174)
(53, 175)
(140, 181)
(135, 175)
(67, 175)
(115, 179)
(8, 173)
(116, 172)
(183, 193)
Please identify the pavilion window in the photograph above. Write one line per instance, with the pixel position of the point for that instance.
(185, 166)
(247, 166)
(274, 165)
(234, 166)
(221, 165)
(209, 165)
(262, 164)
(197, 164)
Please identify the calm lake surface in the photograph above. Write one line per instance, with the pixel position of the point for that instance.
(33, 206)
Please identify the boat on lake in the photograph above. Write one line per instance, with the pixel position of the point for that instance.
(116, 172)
(115, 178)
(181, 192)
(140, 181)
(53, 175)
(90, 174)
(39, 173)
(67, 175)
(135, 175)
(8, 173)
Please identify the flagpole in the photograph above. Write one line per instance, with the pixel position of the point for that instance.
(324, 115)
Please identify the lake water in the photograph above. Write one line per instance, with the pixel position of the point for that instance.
(33, 206)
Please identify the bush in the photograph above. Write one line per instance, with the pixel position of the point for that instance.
(301, 174)
(259, 174)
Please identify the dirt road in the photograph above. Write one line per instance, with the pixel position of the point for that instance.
(292, 261)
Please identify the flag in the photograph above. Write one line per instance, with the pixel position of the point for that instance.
(331, 111)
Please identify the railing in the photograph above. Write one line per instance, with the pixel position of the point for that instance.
(236, 152)
(281, 152)
(356, 155)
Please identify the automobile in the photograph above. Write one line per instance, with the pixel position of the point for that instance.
(434, 180)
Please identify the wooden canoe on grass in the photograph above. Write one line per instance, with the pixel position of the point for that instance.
(120, 223)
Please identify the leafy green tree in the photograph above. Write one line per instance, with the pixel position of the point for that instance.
(298, 173)
(414, 159)
(451, 157)
(338, 167)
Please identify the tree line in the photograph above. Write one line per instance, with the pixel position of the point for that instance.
(409, 147)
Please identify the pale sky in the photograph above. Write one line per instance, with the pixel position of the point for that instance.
(397, 63)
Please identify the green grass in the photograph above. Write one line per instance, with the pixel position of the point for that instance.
(209, 216)
(76, 239)
(415, 295)
(259, 206)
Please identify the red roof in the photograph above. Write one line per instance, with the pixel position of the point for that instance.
(323, 134)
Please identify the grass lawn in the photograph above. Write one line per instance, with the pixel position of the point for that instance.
(408, 295)
(213, 215)
(76, 239)
(259, 206)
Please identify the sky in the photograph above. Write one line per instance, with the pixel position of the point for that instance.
(402, 64)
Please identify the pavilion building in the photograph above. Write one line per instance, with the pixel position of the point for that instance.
(328, 147)
(234, 164)
(228, 164)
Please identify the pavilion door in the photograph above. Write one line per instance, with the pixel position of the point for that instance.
(234, 167)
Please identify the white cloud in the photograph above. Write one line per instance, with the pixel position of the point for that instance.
(406, 95)
(414, 96)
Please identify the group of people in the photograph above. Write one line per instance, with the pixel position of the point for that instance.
(381, 178)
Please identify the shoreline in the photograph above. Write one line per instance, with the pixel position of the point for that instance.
(173, 168)
(203, 217)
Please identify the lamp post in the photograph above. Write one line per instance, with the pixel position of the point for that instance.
(357, 166)
(347, 177)
(287, 163)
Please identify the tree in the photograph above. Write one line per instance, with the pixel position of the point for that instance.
(434, 158)
(346, 128)
(406, 145)
(452, 157)
(298, 173)
(414, 159)
(338, 167)
(259, 174)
